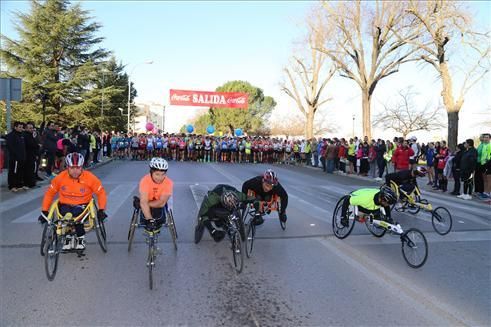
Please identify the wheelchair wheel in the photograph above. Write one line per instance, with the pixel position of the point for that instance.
(172, 228)
(414, 208)
(414, 248)
(237, 253)
(338, 229)
(100, 231)
(251, 234)
(131, 231)
(441, 219)
(375, 230)
(43, 238)
(283, 225)
(198, 231)
(52, 248)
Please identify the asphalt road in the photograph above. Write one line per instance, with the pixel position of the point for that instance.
(303, 276)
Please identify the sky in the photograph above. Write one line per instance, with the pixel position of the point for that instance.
(200, 45)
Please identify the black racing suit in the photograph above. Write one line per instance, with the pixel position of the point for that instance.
(255, 184)
(404, 179)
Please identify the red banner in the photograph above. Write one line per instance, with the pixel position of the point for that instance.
(209, 99)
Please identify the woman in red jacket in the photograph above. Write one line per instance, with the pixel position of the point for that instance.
(401, 157)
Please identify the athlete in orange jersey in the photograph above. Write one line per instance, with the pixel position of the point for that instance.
(75, 188)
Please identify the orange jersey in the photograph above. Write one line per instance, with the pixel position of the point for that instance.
(154, 190)
(75, 191)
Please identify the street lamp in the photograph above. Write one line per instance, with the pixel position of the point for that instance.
(163, 120)
(353, 126)
(148, 62)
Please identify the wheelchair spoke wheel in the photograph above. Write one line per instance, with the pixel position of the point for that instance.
(441, 219)
(283, 225)
(414, 248)
(341, 231)
(237, 253)
(131, 231)
(374, 229)
(150, 262)
(100, 231)
(413, 208)
(198, 231)
(43, 238)
(251, 234)
(52, 248)
(172, 228)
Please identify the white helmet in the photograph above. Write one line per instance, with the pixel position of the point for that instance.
(159, 164)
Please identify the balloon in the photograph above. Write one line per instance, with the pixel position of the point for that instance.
(155, 130)
(210, 129)
(238, 131)
(190, 128)
(149, 126)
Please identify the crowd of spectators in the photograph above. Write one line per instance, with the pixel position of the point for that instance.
(31, 150)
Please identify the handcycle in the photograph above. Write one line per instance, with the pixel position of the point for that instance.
(248, 214)
(232, 223)
(413, 242)
(151, 233)
(441, 219)
(58, 227)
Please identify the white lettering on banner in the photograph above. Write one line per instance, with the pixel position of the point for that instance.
(208, 99)
(183, 97)
(239, 100)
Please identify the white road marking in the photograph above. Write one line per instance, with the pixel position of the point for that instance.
(461, 222)
(199, 192)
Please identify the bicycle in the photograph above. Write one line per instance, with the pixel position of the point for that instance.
(151, 233)
(414, 246)
(441, 219)
(57, 228)
(248, 214)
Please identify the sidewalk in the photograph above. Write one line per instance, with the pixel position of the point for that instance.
(4, 182)
(423, 187)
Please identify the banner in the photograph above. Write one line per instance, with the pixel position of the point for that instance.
(209, 99)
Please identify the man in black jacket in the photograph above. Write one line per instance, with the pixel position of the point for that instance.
(49, 146)
(32, 152)
(17, 157)
(468, 164)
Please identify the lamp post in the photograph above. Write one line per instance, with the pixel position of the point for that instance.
(353, 126)
(148, 62)
(163, 120)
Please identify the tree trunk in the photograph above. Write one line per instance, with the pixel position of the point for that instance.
(453, 129)
(367, 123)
(309, 124)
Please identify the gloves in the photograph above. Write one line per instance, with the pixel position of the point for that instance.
(101, 215)
(43, 217)
(283, 217)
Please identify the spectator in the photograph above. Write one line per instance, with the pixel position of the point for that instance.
(342, 155)
(351, 156)
(32, 154)
(331, 156)
(468, 163)
(380, 149)
(435, 165)
(401, 156)
(430, 155)
(413, 160)
(363, 154)
(441, 158)
(322, 153)
(17, 156)
(49, 147)
(372, 159)
(388, 156)
(315, 151)
(456, 168)
(483, 171)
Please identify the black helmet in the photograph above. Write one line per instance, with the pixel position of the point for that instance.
(230, 200)
(388, 195)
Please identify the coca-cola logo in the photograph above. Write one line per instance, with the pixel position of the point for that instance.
(182, 97)
(239, 100)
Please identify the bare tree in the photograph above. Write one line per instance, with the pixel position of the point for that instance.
(306, 79)
(295, 125)
(444, 23)
(365, 47)
(404, 118)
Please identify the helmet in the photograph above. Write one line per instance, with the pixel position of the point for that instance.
(74, 159)
(388, 195)
(269, 177)
(230, 200)
(159, 164)
(420, 171)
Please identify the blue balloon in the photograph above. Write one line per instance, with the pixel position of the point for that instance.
(190, 128)
(238, 131)
(210, 129)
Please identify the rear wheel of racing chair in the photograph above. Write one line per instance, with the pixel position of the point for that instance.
(373, 229)
(100, 231)
(338, 229)
(198, 230)
(172, 226)
(441, 219)
(248, 215)
(52, 249)
(134, 221)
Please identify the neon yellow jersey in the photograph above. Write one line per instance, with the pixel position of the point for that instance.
(364, 198)
(351, 150)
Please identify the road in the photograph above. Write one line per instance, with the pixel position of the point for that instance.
(303, 276)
